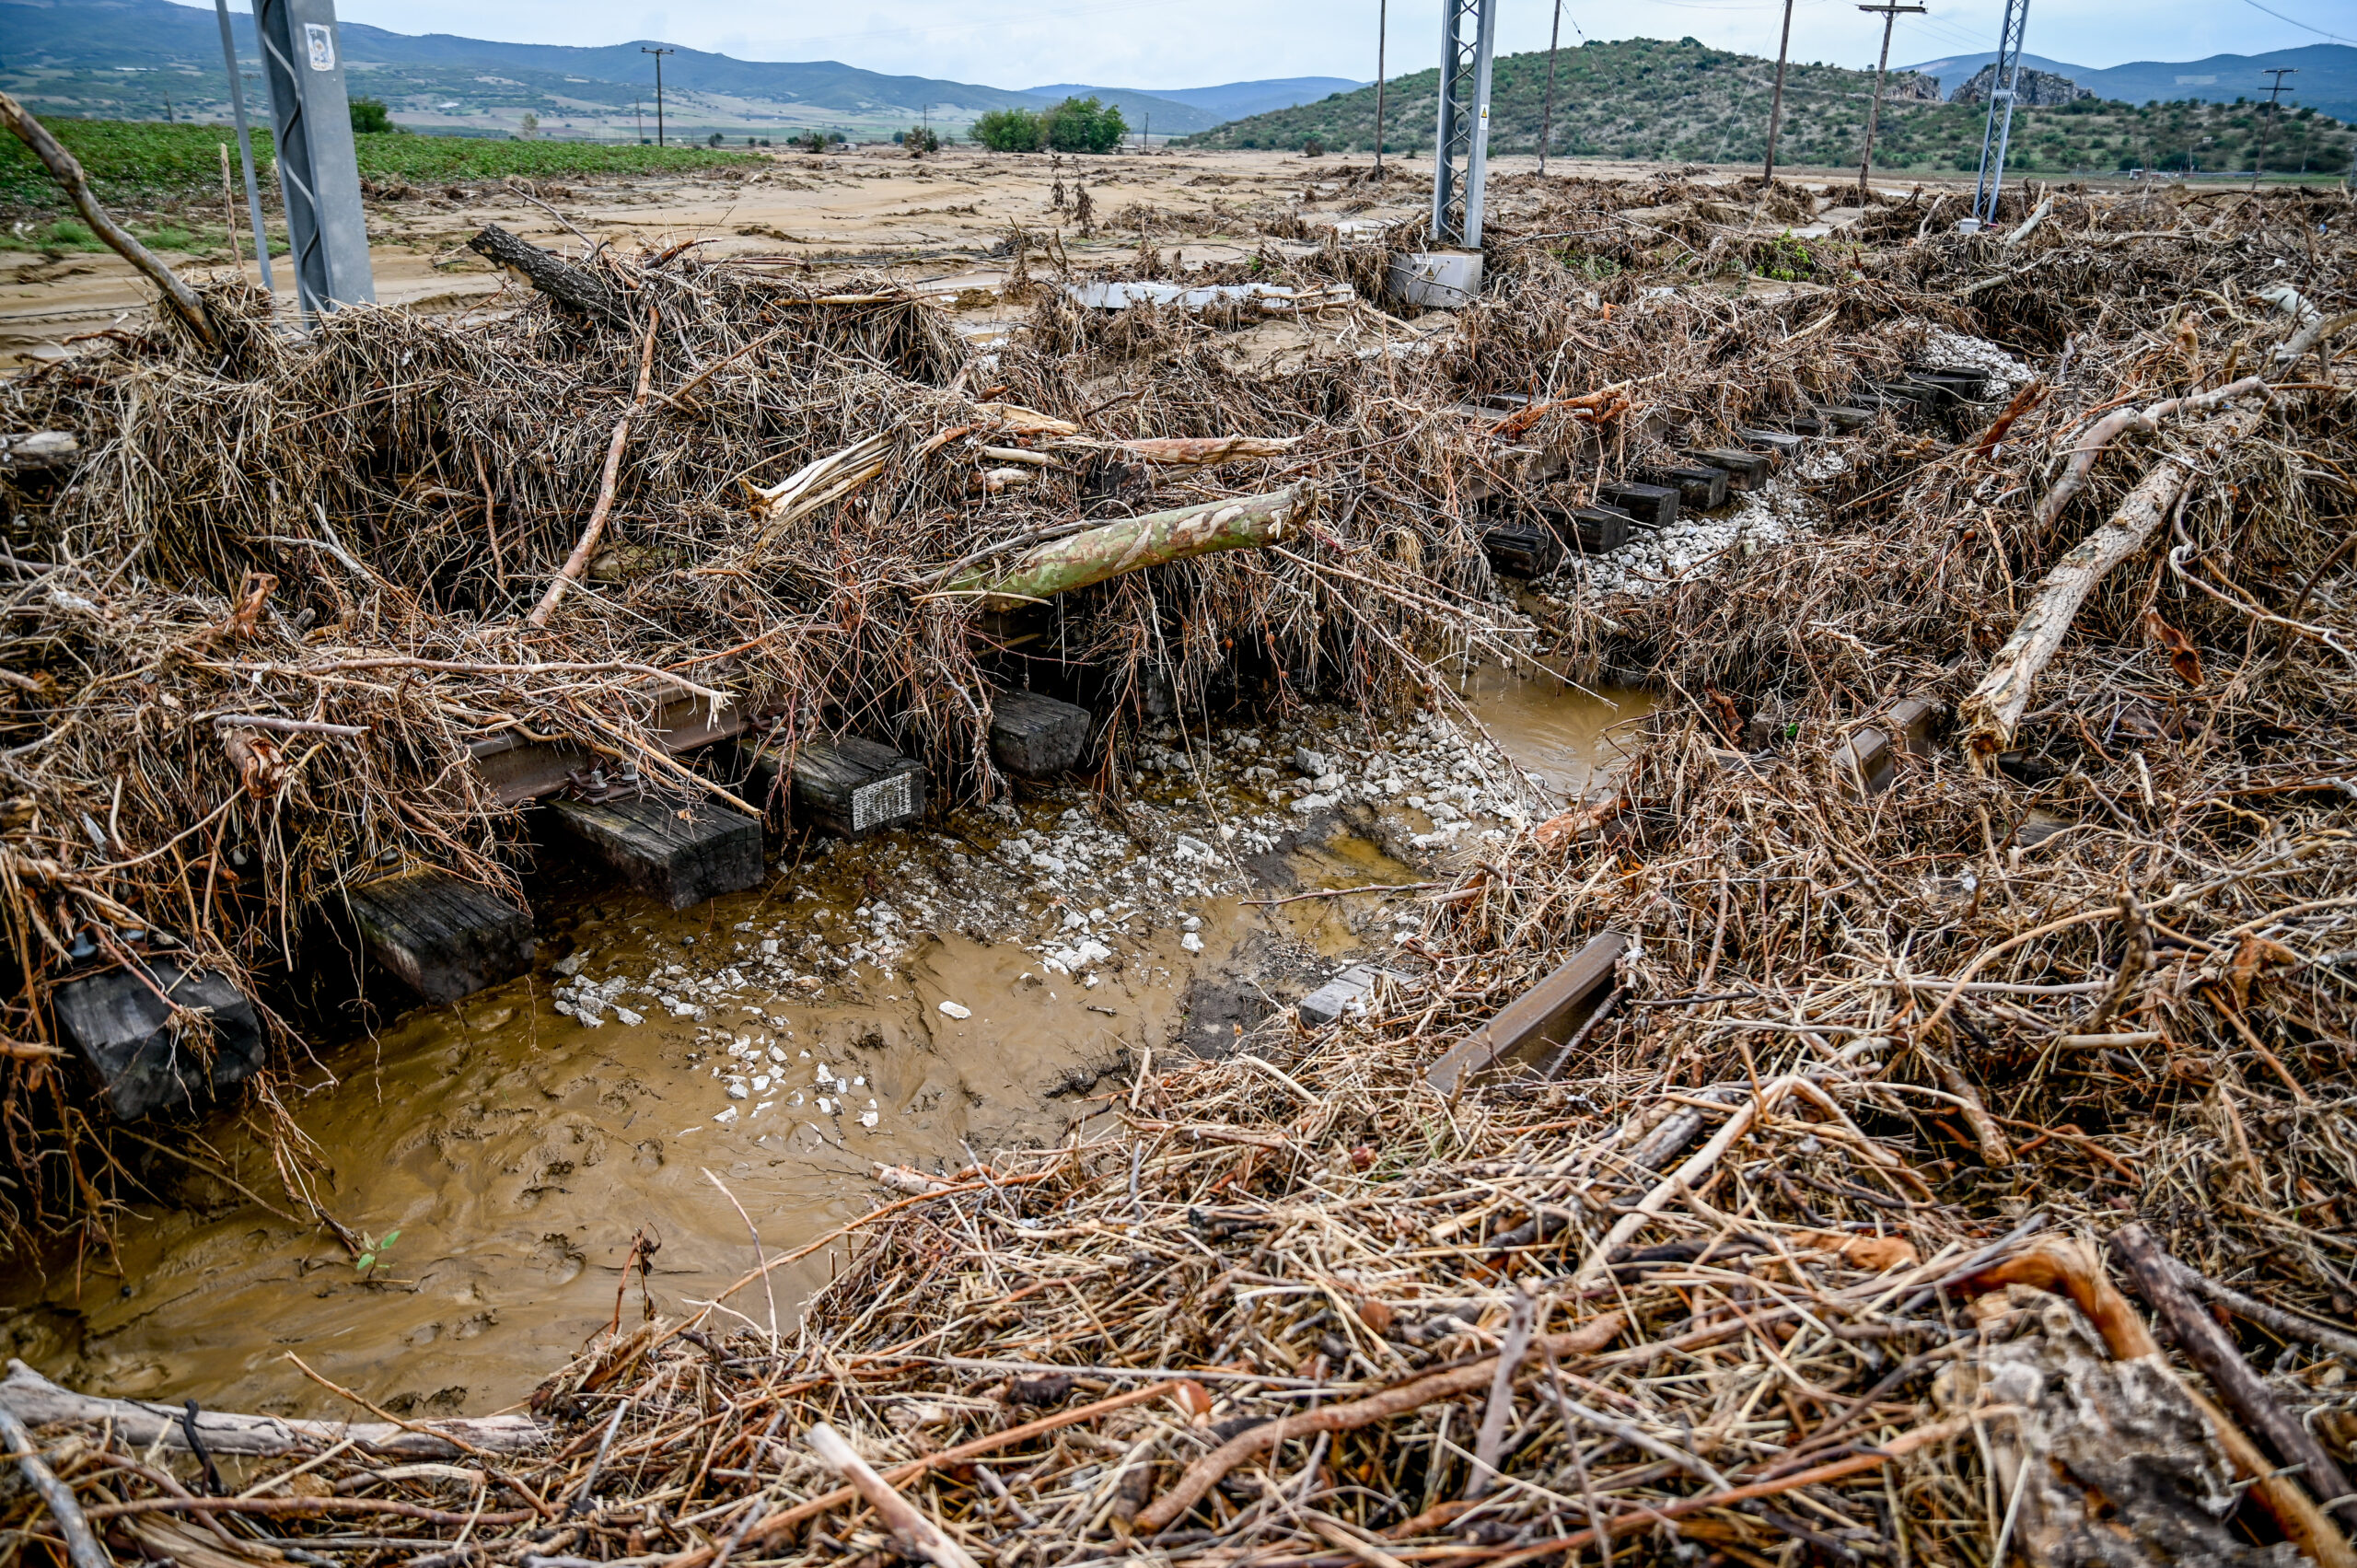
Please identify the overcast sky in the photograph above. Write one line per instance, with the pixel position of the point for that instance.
(1157, 44)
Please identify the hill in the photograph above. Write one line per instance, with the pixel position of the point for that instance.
(155, 60)
(1678, 102)
(2326, 80)
(1199, 108)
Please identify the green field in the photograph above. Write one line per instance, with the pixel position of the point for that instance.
(1642, 98)
(139, 164)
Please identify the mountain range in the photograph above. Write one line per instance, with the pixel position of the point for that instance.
(2326, 79)
(1649, 100)
(154, 59)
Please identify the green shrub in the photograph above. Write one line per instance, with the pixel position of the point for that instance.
(1082, 125)
(369, 116)
(1009, 130)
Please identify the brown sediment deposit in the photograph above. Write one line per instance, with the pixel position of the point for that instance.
(1714, 926)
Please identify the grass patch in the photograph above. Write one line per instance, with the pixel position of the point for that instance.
(133, 161)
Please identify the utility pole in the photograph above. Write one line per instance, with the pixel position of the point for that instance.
(1547, 117)
(1776, 106)
(1461, 139)
(1996, 134)
(1889, 14)
(245, 145)
(2258, 164)
(1382, 28)
(319, 173)
(658, 55)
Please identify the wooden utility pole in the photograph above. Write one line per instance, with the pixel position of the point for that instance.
(658, 55)
(1382, 27)
(2258, 163)
(1890, 14)
(1776, 105)
(1547, 118)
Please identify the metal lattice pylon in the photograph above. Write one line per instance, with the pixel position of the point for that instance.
(326, 233)
(2004, 77)
(1461, 167)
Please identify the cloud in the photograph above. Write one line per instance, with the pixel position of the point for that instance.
(1144, 44)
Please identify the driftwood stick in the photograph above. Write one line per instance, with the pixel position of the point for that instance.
(918, 1534)
(2207, 1346)
(1205, 1472)
(67, 170)
(578, 562)
(37, 1401)
(1492, 1433)
(2274, 1320)
(1078, 560)
(81, 1546)
(2105, 430)
(784, 1519)
(1646, 1517)
(1990, 715)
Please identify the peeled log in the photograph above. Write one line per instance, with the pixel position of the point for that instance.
(37, 1401)
(1205, 451)
(1075, 561)
(1996, 705)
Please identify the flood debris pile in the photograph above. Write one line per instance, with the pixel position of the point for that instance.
(1906, 1118)
(303, 614)
(306, 614)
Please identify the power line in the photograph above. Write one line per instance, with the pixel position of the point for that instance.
(2280, 17)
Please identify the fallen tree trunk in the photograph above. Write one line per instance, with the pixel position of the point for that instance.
(1076, 561)
(35, 1400)
(67, 171)
(1990, 715)
(576, 290)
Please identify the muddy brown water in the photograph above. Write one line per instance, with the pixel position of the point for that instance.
(516, 1152)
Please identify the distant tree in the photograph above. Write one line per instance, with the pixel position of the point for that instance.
(370, 115)
(1008, 131)
(714, 140)
(529, 126)
(811, 142)
(1082, 125)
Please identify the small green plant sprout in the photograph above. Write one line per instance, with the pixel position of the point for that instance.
(373, 1252)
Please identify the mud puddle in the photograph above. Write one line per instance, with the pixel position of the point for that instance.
(1559, 732)
(915, 1000)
